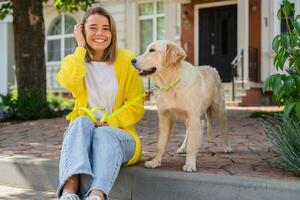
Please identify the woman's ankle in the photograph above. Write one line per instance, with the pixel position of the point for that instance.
(71, 185)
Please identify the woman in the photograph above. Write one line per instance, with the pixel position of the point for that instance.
(98, 74)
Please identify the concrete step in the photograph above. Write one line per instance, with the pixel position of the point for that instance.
(138, 183)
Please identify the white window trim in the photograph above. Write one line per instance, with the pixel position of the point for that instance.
(153, 16)
(62, 36)
(53, 66)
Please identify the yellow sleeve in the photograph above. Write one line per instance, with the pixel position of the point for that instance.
(134, 86)
(72, 72)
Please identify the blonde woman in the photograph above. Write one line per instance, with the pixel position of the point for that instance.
(98, 74)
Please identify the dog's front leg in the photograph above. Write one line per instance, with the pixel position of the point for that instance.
(165, 124)
(195, 128)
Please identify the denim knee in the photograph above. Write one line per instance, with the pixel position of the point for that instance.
(83, 120)
(102, 135)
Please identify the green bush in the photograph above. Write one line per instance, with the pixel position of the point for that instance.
(284, 133)
(31, 107)
(286, 87)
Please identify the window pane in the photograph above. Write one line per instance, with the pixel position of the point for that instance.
(160, 28)
(53, 50)
(146, 30)
(145, 9)
(70, 45)
(55, 28)
(160, 7)
(69, 24)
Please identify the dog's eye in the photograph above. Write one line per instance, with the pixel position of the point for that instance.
(151, 50)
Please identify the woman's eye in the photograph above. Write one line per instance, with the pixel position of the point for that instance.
(106, 29)
(151, 50)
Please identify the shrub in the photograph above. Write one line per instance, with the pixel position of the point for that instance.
(285, 135)
(31, 107)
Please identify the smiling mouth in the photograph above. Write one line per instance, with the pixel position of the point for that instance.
(99, 41)
(147, 72)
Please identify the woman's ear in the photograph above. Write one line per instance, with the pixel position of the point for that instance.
(173, 54)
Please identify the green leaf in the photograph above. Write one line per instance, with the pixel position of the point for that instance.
(285, 40)
(288, 108)
(267, 83)
(5, 9)
(287, 8)
(276, 85)
(297, 80)
(73, 5)
(297, 106)
(288, 85)
(296, 25)
(276, 43)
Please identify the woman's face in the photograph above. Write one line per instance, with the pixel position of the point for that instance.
(98, 33)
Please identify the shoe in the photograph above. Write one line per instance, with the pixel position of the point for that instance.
(69, 196)
(93, 197)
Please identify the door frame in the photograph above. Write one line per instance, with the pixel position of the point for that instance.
(196, 24)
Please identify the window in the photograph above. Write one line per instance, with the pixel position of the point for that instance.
(60, 38)
(151, 23)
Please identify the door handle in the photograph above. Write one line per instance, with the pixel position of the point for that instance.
(212, 49)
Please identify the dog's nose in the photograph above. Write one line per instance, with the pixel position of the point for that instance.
(133, 62)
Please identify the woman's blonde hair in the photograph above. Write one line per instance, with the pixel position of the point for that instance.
(110, 53)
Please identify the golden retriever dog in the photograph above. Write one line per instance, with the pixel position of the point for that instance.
(185, 92)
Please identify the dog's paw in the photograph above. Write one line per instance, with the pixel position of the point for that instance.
(152, 163)
(228, 150)
(181, 150)
(189, 167)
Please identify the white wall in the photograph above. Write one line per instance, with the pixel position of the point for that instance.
(243, 34)
(6, 55)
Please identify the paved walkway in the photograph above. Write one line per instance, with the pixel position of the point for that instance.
(253, 153)
(14, 193)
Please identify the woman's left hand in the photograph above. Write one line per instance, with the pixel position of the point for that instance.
(98, 124)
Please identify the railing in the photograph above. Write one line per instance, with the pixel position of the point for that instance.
(234, 71)
(52, 84)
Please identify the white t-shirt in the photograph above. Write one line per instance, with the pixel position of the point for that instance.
(102, 86)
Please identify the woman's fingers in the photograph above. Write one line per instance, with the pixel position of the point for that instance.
(78, 33)
(98, 124)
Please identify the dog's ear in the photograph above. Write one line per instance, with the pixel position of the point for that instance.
(173, 55)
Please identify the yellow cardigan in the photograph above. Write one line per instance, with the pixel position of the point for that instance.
(72, 75)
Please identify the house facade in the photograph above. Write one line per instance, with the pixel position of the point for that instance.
(235, 37)
(214, 32)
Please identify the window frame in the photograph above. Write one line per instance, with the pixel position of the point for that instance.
(52, 67)
(154, 16)
(61, 37)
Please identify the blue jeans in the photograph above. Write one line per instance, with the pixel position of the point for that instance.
(95, 154)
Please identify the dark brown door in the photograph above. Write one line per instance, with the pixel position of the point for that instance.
(218, 38)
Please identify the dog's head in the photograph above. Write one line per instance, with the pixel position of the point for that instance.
(159, 55)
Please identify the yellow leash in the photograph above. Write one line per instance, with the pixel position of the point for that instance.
(106, 117)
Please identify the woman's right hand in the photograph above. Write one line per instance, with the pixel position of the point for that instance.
(78, 33)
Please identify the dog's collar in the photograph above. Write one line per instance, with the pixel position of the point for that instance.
(168, 87)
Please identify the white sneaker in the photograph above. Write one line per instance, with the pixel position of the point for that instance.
(93, 197)
(69, 196)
